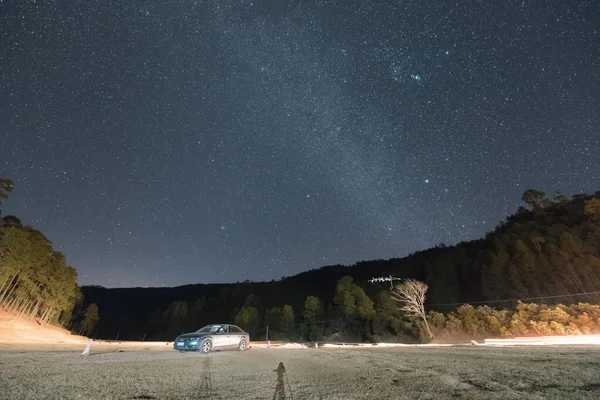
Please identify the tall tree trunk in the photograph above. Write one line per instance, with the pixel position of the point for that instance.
(27, 309)
(13, 287)
(35, 286)
(17, 306)
(424, 316)
(6, 306)
(6, 294)
(43, 316)
(46, 316)
(53, 315)
(11, 303)
(35, 310)
(26, 305)
(4, 284)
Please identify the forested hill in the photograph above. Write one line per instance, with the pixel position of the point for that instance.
(549, 251)
(35, 280)
(133, 312)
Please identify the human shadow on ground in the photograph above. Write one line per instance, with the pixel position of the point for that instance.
(280, 393)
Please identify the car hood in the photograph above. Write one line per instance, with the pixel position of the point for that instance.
(193, 335)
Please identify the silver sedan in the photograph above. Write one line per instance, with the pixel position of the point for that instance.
(213, 337)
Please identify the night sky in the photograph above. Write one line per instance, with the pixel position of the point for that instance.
(164, 143)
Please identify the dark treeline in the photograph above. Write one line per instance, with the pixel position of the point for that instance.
(550, 251)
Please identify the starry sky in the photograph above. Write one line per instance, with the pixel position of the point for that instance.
(164, 143)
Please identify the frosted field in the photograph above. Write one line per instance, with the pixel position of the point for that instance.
(156, 372)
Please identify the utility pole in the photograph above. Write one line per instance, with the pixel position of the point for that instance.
(267, 337)
(386, 279)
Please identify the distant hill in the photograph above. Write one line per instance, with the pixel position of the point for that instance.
(550, 251)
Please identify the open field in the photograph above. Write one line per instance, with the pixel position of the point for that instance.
(141, 371)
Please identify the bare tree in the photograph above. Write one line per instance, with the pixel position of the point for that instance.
(412, 294)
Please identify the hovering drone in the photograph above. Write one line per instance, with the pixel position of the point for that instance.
(390, 279)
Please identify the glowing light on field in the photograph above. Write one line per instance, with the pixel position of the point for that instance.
(546, 340)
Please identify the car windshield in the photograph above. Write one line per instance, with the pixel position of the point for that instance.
(210, 329)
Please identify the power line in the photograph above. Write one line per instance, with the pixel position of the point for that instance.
(509, 300)
(389, 278)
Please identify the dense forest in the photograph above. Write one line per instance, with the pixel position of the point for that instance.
(547, 252)
(35, 280)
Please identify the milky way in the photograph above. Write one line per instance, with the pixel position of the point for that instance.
(160, 143)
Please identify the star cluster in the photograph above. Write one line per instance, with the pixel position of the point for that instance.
(215, 141)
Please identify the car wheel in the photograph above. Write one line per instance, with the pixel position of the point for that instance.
(242, 345)
(205, 346)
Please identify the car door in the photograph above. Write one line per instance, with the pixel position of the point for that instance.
(237, 334)
(220, 338)
(229, 339)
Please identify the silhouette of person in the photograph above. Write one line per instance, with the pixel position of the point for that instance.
(280, 388)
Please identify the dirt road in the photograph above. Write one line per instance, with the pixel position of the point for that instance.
(476, 372)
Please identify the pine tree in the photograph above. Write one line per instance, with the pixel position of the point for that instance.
(287, 322)
(6, 186)
(313, 309)
(90, 319)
